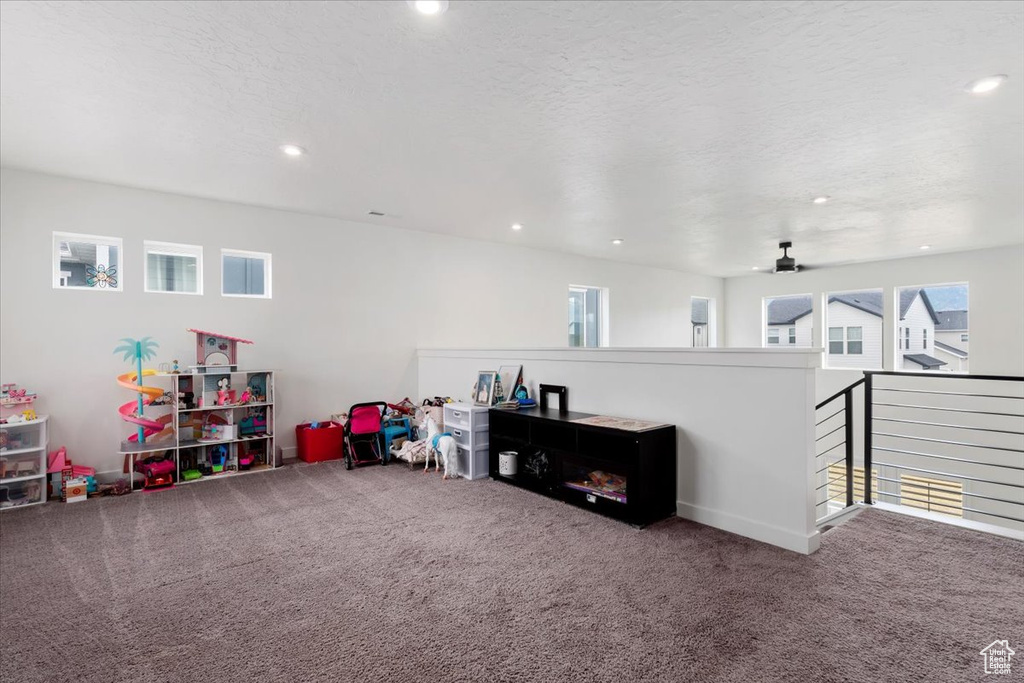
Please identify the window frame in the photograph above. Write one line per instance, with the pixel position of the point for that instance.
(899, 353)
(602, 315)
(57, 274)
(769, 336)
(841, 341)
(171, 249)
(267, 259)
(860, 340)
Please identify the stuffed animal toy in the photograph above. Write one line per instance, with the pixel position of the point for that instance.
(442, 446)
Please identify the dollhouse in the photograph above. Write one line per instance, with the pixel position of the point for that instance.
(216, 352)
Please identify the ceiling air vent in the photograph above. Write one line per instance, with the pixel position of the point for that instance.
(376, 213)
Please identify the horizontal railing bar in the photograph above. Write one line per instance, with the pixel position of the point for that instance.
(829, 417)
(831, 449)
(842, 426)
(840, 393)
(949, 457)
(959, 493)
(999, 378)
(961, 508)
(945, 474)
(946, 393)
(830, 481)
(942, 424)
(950, 443)
(952, 410)
(834, 462)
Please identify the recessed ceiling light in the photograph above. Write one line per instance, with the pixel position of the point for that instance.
(926, 246)
(429, 7)
(517, 226)
(755, 268)
(986, 84)
(616, 241)
(822, 199)
(293, 150)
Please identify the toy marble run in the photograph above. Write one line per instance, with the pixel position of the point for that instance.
(136, 351)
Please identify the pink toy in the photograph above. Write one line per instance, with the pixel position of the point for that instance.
(55, 461)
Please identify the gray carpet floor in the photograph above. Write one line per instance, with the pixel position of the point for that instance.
(382, 574)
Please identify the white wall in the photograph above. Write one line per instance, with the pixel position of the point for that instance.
(996, 278)
(745, 421)
(351, 302)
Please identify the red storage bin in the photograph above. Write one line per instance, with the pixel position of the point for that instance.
(326, 442)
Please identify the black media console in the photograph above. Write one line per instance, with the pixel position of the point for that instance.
(629, 475)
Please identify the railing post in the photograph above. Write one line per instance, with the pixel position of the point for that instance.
(849, 446)
(868, 398)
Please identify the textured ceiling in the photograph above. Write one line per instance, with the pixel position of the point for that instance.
(698, 131)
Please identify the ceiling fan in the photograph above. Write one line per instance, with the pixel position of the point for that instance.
(786, 263)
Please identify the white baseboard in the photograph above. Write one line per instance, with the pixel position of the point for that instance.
(759, 531)
(954, 521)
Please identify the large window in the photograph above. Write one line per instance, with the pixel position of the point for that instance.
(587, 324)
(854, 323)
(86, 262)
(245, 273)
(787, 321)
(934, 322)
(174, 268)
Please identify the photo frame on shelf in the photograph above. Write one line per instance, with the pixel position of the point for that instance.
(511, 377)
(484, 387)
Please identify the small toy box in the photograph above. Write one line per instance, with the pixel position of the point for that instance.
(325, 442)
(76, 490)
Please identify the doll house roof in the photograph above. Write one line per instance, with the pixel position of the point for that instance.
(221, 336)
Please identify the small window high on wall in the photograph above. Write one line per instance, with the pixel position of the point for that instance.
(853, 321)
(933, 328)
(587, 316)
(788, 321)
(702, 322)
(245, 273)
(86, 262)
(176, 268)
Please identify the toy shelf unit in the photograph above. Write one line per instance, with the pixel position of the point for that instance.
(23, 463)
(624, 469)
(219, 423)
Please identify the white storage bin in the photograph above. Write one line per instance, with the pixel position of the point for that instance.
(468, 424)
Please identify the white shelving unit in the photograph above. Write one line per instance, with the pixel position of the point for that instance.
(469, 425)
(204, 439)
(23, 463)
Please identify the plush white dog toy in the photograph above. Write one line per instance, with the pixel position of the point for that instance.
(443, 447)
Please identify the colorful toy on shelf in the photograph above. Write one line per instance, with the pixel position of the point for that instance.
(158, 471)
(135, 351)
(225, 394)
(218, 458)
(11, 395)
(253, 424)
(217, 352)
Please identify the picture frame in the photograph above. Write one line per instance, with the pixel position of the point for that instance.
(510, 376)
(483, 390)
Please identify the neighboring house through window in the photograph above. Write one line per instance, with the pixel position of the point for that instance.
(854, 322)
(792, 313)
(937, 316)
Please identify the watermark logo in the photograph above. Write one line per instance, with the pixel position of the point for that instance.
(997, 657)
